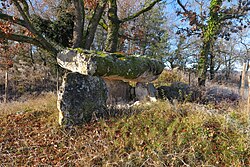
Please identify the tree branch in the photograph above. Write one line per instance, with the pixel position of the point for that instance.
(231, 16)
(12, 19)
(245, 45)
(93, 23)
(201, 10)
(235, 13)
(149, 7)
(25, 7)
(21, 38)
(182, 6)
(79, 23)
(30, 27)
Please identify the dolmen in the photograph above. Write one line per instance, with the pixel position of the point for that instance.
(96, 80)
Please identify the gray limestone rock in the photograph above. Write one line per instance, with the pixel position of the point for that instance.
(113, 66)
(179, 91)
(80, 97)
(141, 92)
(145, 91)
(118, 91)
(152, 90)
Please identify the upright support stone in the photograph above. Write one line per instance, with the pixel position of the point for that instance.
(141, 92)
(152, 91)
(145, 91)
(80, 97)
(118, 91)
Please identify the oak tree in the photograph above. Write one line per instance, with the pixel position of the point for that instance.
(219, 20)
(54, 25)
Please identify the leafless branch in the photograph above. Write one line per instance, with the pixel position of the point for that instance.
(149, 7)
(182, 6)
(21, 38)
(12, 19)
(30, 27)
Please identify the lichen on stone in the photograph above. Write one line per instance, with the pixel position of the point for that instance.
(105, 64)
(80, 97)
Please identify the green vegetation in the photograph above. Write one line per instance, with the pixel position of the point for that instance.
(210, 33)
(160, 134)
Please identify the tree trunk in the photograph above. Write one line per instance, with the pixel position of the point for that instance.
(202, 64)
(109, 65)
(210, 33)
(247, 65)
(212, 66)
(242, 86)
(79, 23)
(90, 34)
(228, 69)
(113, 27)
(6, 86)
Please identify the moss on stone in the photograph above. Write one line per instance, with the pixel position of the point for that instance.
(115, 65)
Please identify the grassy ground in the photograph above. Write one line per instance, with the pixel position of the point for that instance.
(160, 134)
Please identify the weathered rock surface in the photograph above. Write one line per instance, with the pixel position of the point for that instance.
(145, 91)
(179, 91)
(80, 97)
(152, 91)
(118, 91)
(141, 91)
(110, 65)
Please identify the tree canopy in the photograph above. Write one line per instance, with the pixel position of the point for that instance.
(53, 25)
(179, 32)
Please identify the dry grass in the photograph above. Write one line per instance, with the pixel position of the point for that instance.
(46, 101)
(160, 134)
(169, 76)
